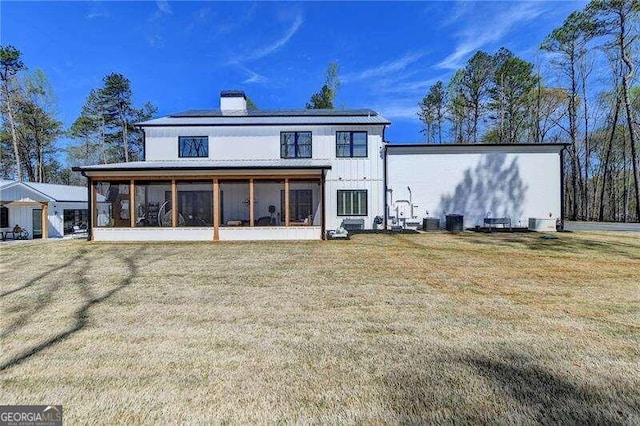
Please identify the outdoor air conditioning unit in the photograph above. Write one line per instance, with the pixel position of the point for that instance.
(542, 224)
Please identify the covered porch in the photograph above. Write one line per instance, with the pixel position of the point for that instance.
(207, 205)
(24, 213)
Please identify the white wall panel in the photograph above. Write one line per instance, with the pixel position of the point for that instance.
(271, 233)
(155, 234)
(206, 234)
(495, 183)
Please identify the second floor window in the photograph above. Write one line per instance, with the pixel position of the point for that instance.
(351, 144)
(193, 146)
(295, 145)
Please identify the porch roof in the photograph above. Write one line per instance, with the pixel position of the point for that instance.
(31, 192)
(210, 165)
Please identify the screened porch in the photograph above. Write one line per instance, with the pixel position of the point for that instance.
(199, 208)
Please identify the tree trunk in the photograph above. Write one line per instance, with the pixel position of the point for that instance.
(625, 184)
(632, 139)
(125, 140)
(607, 157)
(14, 134)
(627, 105)
(573, 134)
(587, 149)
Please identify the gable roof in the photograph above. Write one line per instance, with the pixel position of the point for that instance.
(216, 117)
(45, 191)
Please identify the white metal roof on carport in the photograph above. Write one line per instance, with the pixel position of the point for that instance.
(30, 192)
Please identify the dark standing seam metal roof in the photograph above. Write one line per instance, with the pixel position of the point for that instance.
(281, 113)
(269, 118)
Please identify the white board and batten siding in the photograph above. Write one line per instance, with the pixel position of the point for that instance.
(263, 143)
(519, 182)
(23, 216)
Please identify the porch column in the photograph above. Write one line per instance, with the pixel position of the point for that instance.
(286, 202)
(132, 204)
(174, 204)
(92, 202)
(322, 206)
(216, 210)
(251, 202)
(45, 221)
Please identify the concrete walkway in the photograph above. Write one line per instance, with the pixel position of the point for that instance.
(601, 226)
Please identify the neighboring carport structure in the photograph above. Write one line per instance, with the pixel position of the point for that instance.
(40, 208)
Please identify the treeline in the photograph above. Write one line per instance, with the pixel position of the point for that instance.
(582, 94)
(31, 130)
(30, 127)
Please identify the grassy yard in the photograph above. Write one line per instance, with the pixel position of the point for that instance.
(404, 328)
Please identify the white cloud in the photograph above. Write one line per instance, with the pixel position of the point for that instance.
(400, 109)
(461, 9)
(482, 33)
(97, 10)
(273, 47)
(154, 29)
(163, 6)
(254, 77)
(384, 69)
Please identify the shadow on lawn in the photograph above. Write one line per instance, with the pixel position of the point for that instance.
(72, 261)
(563, 243)
(448, 389)
(82, 281)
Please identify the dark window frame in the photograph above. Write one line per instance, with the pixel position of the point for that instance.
(351, 144)
(180, 153)
(366, 202)
(295, 144)
(4, 217)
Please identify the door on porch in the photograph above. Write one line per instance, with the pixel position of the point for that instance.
(300, 205)
(36, 217)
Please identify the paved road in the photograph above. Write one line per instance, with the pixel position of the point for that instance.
(601, 226)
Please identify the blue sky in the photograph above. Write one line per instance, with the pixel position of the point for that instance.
(180, 55)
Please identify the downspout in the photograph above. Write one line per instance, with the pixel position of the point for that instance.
(144, 144)
(323, 206)
(384, 178)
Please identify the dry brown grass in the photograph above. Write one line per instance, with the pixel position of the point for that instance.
(405, 328)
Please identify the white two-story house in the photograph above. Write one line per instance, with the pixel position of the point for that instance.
(237, 174)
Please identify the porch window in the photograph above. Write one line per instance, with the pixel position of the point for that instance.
(352, 202)
(4, 217)
(351, 144)
(195, 203)
(75, 220)
(153, 203)
(193, 146)
(295, 145)
(112, 204)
